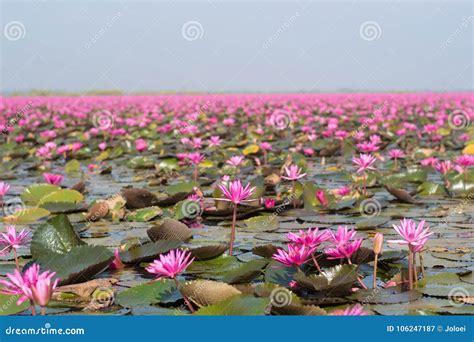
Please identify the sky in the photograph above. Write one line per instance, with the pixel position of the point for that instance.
(246, 46)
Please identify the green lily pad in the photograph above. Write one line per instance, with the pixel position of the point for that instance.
(54, 236)
(78, 265)
(8, 305)
(72, 166)
(185, 187)
(154, 292)
(140, 162)
(148, 251)
(214, 268)
(264, 223)
(25, 216)
(389, 295)
(431, 189)
(278, 273)
(35, 192)
(145, 214)
(63, 195)
(335, 280)
(247, 272)
(238, 305)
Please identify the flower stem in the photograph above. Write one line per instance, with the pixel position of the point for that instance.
(16, 260)
(294, 194)
(3, 206)
(186, 300)
(232, 233)
(316, 263)
(32, 308)
(358, 277)
(365, 184)
(421, 264)
(265, 158)
(374, 283)
(410, 269)
(43, 311)
(415, 272)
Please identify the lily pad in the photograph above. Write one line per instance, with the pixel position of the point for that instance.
(239, 305)
(145, 214)
(78, 265)
(148, 251)
(247, 272)
(25, 216)
(8, 305)
(34, 193)
(159, 291)
(54, 236)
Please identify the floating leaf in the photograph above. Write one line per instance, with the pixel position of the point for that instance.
(154, 292)
(247, 272)
(207, 292)
(145, 214)
(54, 236)
(278, 273)
(24, 216)
(35, 192)
(335, 280)
(239, 305)
(431, 189)
(389, 295)
(63, 195)
(265, 223)
(251, 149)
(8, 305)
(72, 166)
(78, 265)
(148, 251)
(177, 188)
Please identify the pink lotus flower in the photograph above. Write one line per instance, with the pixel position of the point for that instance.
(18, 284)
(396, 154)
(102, 146)
(296, 255)
(266, 146)
(235, 192)
(311, 238)
(235, 160)
(431, 161)
(344, 251)
(196, 157)
(444, 167)
(412, 235)
(4, 188)
(321, 196)
(342, 236)
(214, 141)
(344, 191)
(117, 263)
(465, 161)
(52, 178)
(171, 264)
(140, 145)
(11, 240)
(269, 203)
(367, 147)
(356, 310)
(293, 173)
(364, 162)
(42, 290)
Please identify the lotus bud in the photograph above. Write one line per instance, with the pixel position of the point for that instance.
(378, 243)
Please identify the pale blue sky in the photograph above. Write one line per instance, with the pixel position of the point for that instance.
(241, 46)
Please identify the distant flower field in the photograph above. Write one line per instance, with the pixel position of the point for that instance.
(242, 204)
